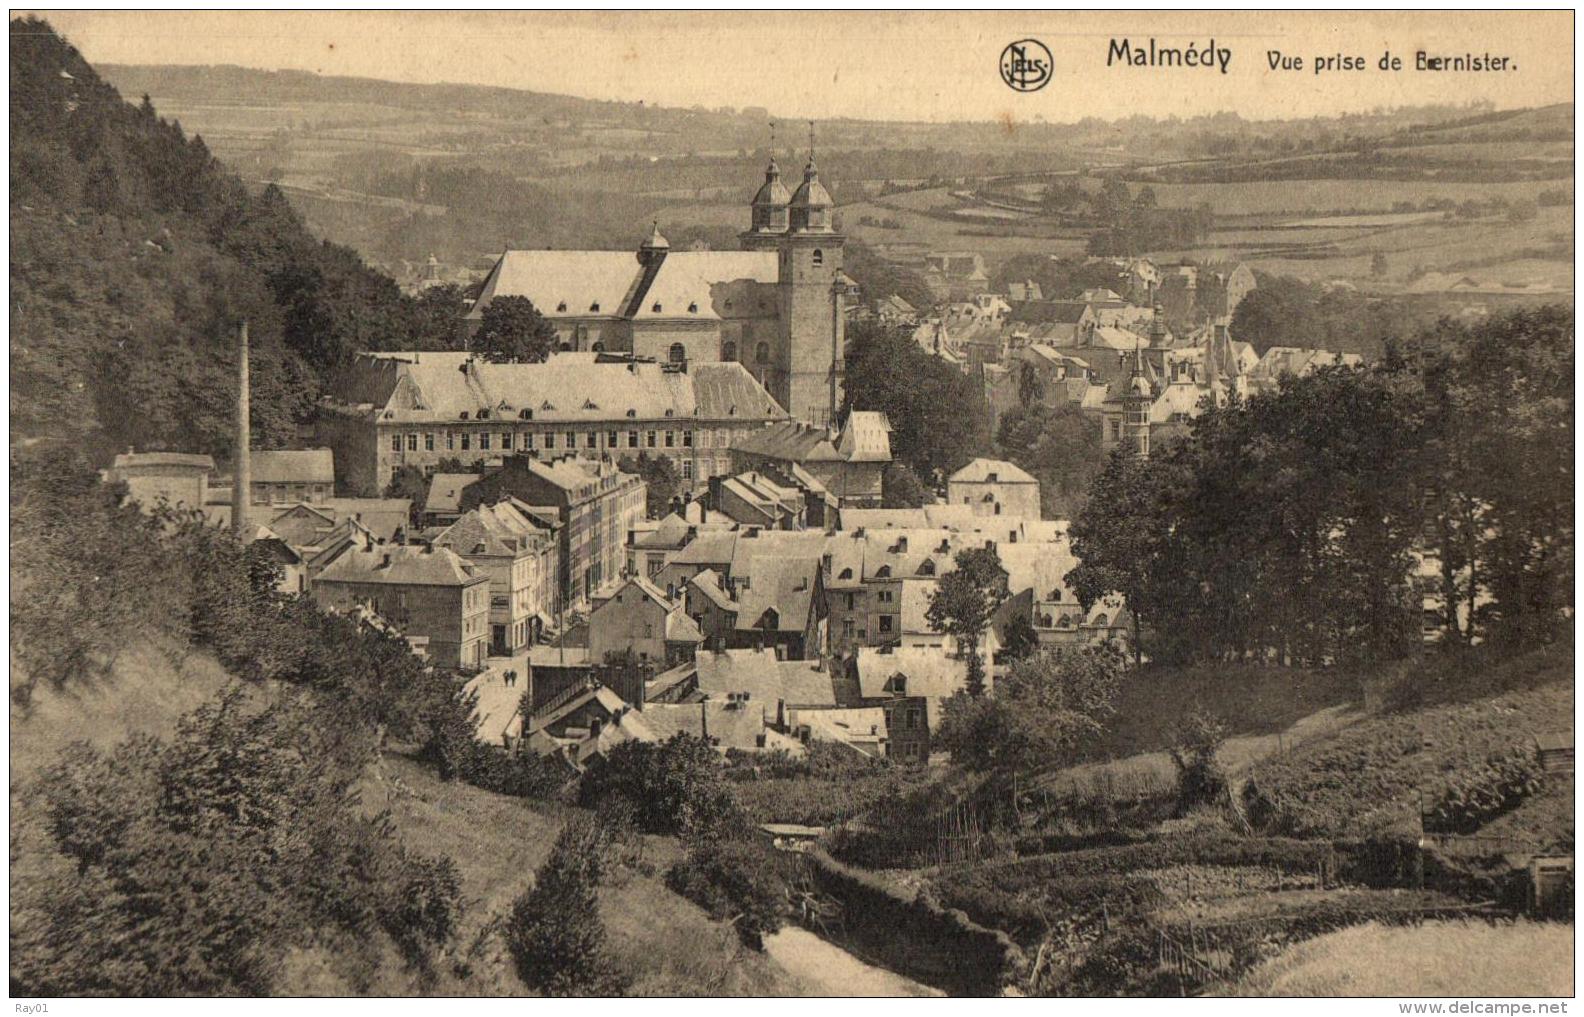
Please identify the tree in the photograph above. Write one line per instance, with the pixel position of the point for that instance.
(1020, 640)
(675, 786)
(900, 487)
(661, 481)
(1045, 709)
(1115, 538)
(938, 415)
(554, 933)
(512, 331)
(963, 601)
(437, 318)
(410, 482)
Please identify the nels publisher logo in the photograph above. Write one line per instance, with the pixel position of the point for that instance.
(1026, 65)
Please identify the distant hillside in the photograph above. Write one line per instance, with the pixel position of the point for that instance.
(134, 256)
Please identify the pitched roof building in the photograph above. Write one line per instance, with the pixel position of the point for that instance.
(388, 410)
(775, 306)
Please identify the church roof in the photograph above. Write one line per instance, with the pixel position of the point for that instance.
(811, 192)
(773, 192)
(601, 284)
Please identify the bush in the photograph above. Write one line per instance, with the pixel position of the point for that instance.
(554, 933)
(674, 787)
(1475, 798)
(1200, 778)
(737, 880)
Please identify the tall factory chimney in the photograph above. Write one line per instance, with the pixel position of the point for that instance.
(242, 468)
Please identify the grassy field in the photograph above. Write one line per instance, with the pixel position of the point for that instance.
(665, 943)
(146, 692)
(1434, 959)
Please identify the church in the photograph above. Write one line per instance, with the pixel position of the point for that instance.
(775, 306)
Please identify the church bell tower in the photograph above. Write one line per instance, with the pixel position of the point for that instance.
(805, 376)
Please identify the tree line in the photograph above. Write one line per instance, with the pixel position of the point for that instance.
(1297, 525)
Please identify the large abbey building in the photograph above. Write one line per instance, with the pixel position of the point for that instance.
(774, 306)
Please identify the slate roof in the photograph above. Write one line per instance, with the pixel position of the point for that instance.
(784, 585)
(765, 679)
(731, 725)
(929, 672)
(500, 530)
(790, 440)
(293, 466)
(381, 516)
(980, 471)
(605, 283)
(436, 387)
(445, 492)
(865, 437)
(406, 566)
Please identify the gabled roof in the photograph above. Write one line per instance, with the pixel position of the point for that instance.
(731, 725)
(929, 672)
(708, 583)
(499, 530)
(445, 492)
(381, 516)
(784, 586)
(439, 387)
(402, 566)
(602, 284)
(991, 471)
(293, 466)
(865, 438)
(764, 678)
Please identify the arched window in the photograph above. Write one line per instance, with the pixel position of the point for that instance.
(926, 568)
(599, 346)
(1101, 621)
(566, 347)
(728, 350)
(819, 257)
(677, 354)
(762, 353)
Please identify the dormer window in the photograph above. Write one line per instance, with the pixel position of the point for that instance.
(656, 307)
(547, 405)
(594, 306)
(589, 404)
(670, 413)
(927, 567)
(632, 413)
(525, 414)
(883, 572)
(561, 306)
(693, 308)
(464, 414)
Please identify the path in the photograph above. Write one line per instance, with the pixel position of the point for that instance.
(830, 970)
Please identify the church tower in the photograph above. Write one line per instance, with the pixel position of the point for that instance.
(1136, 408)
(806, 365)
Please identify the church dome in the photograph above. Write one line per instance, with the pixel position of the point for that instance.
(811, 193)
(773, 192)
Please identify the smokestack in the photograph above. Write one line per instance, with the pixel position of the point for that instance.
(242, 472)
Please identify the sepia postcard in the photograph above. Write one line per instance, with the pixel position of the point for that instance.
(787, 503)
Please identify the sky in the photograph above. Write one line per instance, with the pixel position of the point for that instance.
(931, 66)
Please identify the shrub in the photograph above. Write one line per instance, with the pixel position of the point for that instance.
(1200, 778)
(554, 933)
(738, 880)
(676, 786)
(1475, 798)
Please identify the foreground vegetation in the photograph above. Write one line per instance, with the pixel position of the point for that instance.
(1449, 959)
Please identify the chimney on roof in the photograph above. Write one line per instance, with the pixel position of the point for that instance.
(385, 560)
(242, 480)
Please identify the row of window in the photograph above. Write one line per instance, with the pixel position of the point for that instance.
(508, 440)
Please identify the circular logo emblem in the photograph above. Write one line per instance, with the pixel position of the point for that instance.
(1026, 65)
